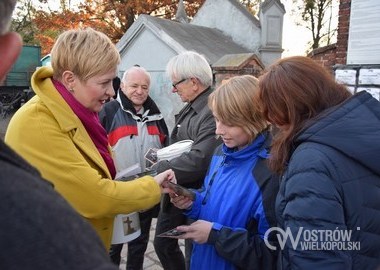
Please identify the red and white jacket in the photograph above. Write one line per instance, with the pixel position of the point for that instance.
(130, 134)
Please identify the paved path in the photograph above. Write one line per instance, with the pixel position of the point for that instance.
(151, 261)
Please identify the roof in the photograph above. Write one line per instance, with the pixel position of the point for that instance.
(268, 3)
(236, 61)
(181, 15)
(210, 42)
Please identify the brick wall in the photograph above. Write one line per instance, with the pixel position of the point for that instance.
(224, 73)
(343, 30)
(326, 56)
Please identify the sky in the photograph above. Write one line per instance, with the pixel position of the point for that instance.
(294, 38)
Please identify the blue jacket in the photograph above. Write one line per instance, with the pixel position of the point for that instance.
(332, 184)
(233, 199)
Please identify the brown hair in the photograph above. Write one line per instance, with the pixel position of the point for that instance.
(235, 104)
(293, 91)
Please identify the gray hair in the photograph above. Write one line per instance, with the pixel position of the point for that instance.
(190, 64)
(135, 68)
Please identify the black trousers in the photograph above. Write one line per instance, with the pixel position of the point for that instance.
(137, 247)
(167, 249)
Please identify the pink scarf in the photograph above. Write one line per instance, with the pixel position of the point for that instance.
(91, 122)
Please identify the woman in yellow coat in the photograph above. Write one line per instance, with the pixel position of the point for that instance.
(58, 132)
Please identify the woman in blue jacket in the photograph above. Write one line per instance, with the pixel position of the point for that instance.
(327, 149)
(235, 207)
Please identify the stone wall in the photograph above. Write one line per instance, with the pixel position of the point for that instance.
(326, 56)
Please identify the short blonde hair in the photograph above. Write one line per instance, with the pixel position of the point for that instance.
(235, 103)
(85, 52)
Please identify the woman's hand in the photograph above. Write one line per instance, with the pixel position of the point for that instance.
(164, 177)
(198, 231)
(179, 201)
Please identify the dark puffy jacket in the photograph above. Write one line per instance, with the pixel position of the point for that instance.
(331, 190)
(38, 228)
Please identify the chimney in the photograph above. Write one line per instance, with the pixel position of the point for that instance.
(343, 31)
(181, 15)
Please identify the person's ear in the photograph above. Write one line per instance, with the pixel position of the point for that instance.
(68, 79)
(10, 48)
(195, 84)
(123, 88)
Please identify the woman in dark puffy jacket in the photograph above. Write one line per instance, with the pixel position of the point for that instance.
(327, 149)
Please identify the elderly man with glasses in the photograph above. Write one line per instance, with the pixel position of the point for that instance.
(192, 79)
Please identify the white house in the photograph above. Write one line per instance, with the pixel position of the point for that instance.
(221, 27)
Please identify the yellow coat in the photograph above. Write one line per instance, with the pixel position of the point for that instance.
(47, 133)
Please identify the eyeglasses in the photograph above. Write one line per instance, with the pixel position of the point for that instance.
(177, 83)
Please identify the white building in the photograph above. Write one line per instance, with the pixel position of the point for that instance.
(220, 28)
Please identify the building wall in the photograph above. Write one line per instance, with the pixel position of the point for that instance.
(271, 20)
(223, 15)
(225, 73)
(343, 30)
(326, 56)
(364, 39)
(358, 68)
(151, 53)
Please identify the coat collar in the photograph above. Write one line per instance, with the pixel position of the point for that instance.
(201, 100)
(68, 122)
(151, 111)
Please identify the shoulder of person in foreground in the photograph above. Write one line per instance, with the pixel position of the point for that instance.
(38, 227)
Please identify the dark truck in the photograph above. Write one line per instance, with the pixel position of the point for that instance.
(16, 89)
